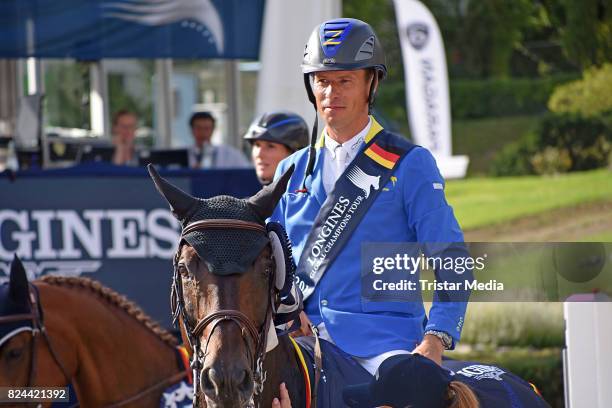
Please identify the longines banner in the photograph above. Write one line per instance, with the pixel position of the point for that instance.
(117, 230)
(427, 98)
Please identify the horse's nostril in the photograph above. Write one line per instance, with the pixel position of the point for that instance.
(210, 380)
(245, 382)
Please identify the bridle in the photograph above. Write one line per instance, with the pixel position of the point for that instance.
(248, 329)
(39, 330)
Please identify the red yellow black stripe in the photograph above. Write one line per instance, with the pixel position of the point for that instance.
(382, 156)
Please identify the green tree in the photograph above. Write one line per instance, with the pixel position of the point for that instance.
(481, 36)
(585, 28)
(67, 94)
(589, 96)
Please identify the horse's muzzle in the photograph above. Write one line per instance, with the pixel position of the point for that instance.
(228, 386)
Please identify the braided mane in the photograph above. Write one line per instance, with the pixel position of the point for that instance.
(115, 299)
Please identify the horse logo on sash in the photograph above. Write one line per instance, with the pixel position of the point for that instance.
(363, 180)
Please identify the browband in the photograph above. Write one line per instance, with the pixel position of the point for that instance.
(223, 224)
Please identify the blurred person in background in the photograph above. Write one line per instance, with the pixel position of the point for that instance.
(205, 155)
(273, 137)
(125, 123)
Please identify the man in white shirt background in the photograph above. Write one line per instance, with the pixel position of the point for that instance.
(206, 155)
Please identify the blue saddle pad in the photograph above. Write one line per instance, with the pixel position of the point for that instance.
(339, 370)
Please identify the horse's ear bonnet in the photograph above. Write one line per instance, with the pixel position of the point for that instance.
(228, 251)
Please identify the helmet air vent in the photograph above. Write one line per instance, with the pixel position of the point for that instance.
(366, 51)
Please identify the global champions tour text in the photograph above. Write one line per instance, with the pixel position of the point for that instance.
(411, 264)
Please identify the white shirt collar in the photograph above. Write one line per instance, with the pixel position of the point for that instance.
(351, 146)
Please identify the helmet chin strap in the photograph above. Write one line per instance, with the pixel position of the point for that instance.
(312, 153)
(373, 89)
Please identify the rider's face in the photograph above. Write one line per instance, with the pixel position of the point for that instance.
(266, 156)
(342, 97)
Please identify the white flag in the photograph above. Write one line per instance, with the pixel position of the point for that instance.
(426, 77)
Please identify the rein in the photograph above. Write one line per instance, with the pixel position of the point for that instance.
(258, 336)
(38, 329)
(162, 384)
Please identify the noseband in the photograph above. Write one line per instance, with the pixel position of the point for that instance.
(248, 329)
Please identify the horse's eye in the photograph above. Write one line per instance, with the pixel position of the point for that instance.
(183, 271)
(14, 354)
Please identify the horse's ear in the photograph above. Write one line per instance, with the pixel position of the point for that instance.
(18, 282)
(181, 203)
(264, 202)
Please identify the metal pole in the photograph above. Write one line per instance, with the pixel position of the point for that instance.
(8, 97)
(19, 75)
(36, 85)
(232, 86)
(98, 99)
(164, 106)
(33, 65)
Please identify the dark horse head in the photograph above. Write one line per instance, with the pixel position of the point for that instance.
(226, 288)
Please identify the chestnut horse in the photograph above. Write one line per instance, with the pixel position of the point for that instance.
(62, 330)
(226, 296)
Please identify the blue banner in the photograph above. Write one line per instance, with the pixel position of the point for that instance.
(95, 29)
(110, 226)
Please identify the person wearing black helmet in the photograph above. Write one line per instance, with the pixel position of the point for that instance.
(358, 184)
(273, 137)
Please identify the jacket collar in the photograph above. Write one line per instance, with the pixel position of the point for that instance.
(375, 128)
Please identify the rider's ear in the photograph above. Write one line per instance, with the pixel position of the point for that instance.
(264, 202)
(18, 286)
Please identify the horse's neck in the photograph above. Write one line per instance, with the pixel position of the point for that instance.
(281, 365)
(116, 356)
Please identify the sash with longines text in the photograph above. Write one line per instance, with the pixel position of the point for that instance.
(348, 202)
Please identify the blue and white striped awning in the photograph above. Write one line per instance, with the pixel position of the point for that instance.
(95, 29)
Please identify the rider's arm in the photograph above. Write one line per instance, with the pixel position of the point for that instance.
(433, 221)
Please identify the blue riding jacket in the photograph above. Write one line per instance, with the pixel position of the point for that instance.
(410, 208)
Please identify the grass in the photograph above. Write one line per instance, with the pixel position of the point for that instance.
(602, 237)
(535, 325)
(480, 202)
(482, 139)
(491, 325)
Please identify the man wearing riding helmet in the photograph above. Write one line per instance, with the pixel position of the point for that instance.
(273, 137)
(343, 65)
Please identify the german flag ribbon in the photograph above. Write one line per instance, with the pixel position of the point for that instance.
(382, 156)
